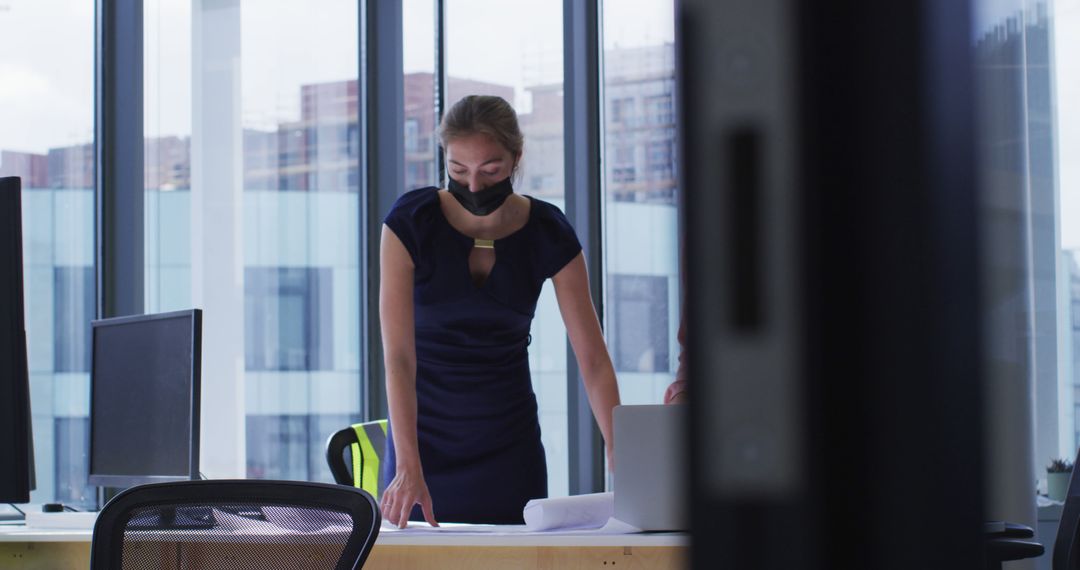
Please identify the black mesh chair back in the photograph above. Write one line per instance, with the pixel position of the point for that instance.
(236, 525)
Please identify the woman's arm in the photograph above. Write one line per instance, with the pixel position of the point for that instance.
(597, 372)
(399, 357)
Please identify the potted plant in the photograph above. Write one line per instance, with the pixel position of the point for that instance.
(1058, 474)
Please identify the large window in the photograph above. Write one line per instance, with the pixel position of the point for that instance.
(1063, 89)
(46, 138)
(252, 206)
(640, 203)
(252, 214)
(1029, 128)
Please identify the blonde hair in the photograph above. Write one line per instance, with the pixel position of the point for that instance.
(487, 114)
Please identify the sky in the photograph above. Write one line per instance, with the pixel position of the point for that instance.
(46, 73)
(46, 56)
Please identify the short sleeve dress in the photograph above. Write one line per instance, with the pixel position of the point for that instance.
(477, 426)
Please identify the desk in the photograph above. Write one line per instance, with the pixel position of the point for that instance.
(21, 547)
(32, 549)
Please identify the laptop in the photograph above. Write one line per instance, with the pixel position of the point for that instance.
(650, 464)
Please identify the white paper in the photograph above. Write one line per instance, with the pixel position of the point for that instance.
(611, 526)
(575, 512)
(420, 527)
(576, 515)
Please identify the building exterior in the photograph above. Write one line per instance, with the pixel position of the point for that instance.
(639, 94)
(71, 167)
(32, 168)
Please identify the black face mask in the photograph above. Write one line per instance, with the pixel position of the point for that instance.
(483, 202)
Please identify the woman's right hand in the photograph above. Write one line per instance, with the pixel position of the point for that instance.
(407, 489)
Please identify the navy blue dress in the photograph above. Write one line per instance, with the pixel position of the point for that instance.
(477, 426)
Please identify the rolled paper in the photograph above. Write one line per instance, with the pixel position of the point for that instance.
(575, 512)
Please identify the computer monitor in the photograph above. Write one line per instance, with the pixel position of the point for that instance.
(144, 398)
(16, 439)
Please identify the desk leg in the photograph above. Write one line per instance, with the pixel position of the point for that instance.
(44, 555)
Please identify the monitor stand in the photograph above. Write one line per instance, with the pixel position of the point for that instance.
(9, 514)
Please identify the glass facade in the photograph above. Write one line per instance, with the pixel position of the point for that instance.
(253, 213)
(1029, 148)
(418, 39)
(1060, 30)
(252, 205)
(47, 95)
(641, 243)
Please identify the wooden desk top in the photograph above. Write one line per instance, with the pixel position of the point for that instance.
(418, 549)
(509, 536)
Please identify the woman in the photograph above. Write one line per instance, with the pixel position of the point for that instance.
(461, 271)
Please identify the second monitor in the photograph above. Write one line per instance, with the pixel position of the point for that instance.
(144, 399)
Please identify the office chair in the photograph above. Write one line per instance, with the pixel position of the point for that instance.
(366, 443)
(236, 524)
(1005, 541)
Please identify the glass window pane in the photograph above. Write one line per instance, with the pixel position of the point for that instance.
(288, 319)
(46, 138)
(72, 462)
(418, 22)
(641, 219)
(639, 299)
(1065, 75)
(252, 212)
(73, 291)
(1053, 34)
(1028, 131)
(489, 52)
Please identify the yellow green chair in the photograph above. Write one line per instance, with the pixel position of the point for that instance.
(366, 443)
